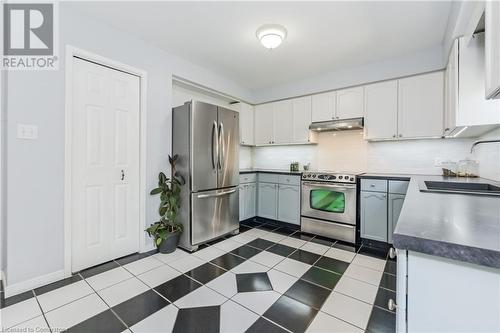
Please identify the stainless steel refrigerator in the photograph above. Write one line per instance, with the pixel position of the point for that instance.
(206, 138)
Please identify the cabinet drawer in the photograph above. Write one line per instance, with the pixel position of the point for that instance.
(398, 186)
(268, 177)
(289, 180)
(248, 178)
(374, 185)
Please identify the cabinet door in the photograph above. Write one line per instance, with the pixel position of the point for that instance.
(474, 109)
(421, 106)
(289, 204)
(374, 216)
(350, 103)
(381, 110)
(264, 124)
(267, 200)
(301, 119)
(283, 122)
(323, 106)
(246, 124)
(243, 195)
(492, 48)
(250, 200)
(451, 92)
(395, 205)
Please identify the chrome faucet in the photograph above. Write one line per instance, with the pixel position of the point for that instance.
(482, 141)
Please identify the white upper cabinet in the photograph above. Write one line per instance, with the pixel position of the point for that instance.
(323, 106)
(264, 124)
(301, 119)
(451, 90)
(421, 106)
(492, 48)
(283, 122)
(349, 103)
(246, 124)
(381, 110)
(473, 108)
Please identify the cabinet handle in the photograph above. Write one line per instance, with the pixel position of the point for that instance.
(394, 135)
(372, 185)
(391, 305)
(384, 195)
(400, 135)
(392, 253)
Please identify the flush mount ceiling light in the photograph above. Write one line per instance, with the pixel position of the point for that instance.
(271, 35)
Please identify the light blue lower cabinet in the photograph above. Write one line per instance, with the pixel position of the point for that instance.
(243, 199)
(395, 205)
(267, 206)
(289, 204)
(248, 197)
(251, 200)
(374, 215)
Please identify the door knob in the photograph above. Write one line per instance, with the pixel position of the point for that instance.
(392, 253)
(391, 305)
(123, 175)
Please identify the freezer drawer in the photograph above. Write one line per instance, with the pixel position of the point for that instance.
(214, 213)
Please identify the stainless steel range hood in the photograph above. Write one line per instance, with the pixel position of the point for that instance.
(337, 125)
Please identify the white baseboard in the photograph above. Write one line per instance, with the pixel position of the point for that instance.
(20, 287)
(148, 248)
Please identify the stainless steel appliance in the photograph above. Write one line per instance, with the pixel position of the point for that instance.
(206, 138)
(337, 125)
(329, 205)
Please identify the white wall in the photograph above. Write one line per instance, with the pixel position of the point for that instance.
(424, 61)
(35, 180)
(347, 151)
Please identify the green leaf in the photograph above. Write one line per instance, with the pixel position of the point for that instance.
(156, 191)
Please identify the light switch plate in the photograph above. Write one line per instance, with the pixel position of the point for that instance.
(28, 132)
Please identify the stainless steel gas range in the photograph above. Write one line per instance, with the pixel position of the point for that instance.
(329, 205)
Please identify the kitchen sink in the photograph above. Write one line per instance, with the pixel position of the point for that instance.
(459, 187)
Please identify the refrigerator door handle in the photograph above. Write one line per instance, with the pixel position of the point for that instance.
(215, 144)
(220, 194)
(222, 145)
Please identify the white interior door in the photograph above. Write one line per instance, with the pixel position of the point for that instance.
(105, 164)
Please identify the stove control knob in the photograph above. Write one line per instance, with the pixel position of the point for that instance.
(334, 177)
(314, 176)
(352, 179)
(340, 177)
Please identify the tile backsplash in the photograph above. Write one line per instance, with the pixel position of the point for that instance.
(348, 151)
(488, 156)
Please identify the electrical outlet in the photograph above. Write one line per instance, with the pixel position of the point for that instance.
(27, 132)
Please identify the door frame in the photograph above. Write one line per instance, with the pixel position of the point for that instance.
(71, 53)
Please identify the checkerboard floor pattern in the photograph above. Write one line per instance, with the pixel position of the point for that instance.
(268, 278)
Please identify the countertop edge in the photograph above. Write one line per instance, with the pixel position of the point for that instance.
(472, 255)
(278, 172)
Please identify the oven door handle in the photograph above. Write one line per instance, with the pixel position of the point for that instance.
(347, 186)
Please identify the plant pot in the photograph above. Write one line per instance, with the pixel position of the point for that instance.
(169, 244)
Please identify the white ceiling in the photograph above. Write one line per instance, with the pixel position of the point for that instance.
(322, 36)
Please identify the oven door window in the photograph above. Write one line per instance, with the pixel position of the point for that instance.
(327, 200)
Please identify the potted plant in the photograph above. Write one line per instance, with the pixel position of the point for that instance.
(166, 231)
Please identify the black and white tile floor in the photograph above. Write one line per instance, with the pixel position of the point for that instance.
(266, 279)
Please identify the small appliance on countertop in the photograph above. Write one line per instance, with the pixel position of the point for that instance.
(329, 204)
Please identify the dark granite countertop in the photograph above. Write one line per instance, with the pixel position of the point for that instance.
(277, 171)
(456, 226)
(391, 176)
